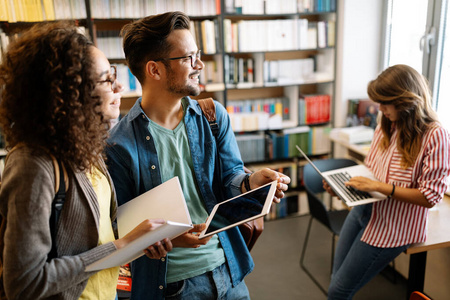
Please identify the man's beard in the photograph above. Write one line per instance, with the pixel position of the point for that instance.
(181, 89)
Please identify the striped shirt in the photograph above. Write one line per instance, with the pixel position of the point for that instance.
(394, 223)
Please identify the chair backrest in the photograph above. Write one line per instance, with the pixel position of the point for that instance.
(418, 296)
(313, 185)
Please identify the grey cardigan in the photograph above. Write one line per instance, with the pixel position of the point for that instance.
(26, 194)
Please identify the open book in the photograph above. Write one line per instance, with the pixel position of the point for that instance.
(165, 201)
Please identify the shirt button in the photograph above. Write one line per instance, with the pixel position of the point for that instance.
(147, 138)
(153, 167)
(163, 259)
(161, 287)
(143, 116)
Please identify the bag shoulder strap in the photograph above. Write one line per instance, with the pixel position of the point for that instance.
(57, 203)
(209, 110)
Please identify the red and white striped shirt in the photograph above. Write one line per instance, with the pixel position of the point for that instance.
(394, 223)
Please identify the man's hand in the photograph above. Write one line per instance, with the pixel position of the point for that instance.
(267, 175)
(159, 249)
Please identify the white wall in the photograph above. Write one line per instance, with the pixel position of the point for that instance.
(358, 53)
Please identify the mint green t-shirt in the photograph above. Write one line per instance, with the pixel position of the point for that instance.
(175, 159)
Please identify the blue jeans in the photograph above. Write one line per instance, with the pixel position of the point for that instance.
(208, 286)
(355, 262)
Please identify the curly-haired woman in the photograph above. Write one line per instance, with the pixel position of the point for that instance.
(58, 93)
(410, 157)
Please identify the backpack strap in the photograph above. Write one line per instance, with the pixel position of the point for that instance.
(57, 203)
(250, 230)
(209, 110)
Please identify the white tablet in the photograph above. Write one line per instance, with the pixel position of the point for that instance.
(240, 209)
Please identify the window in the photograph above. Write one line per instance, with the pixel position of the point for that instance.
(417, 34)
(442, 72)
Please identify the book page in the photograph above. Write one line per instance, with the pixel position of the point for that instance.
(135, 249)
(166, 202)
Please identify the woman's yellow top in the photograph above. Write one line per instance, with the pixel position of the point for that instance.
(103, 284)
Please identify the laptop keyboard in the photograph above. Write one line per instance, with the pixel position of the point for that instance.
(352, 193)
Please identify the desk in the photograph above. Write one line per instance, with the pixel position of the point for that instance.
(438, 235)
(357, 151)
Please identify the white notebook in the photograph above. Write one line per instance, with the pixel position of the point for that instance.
(165, 201)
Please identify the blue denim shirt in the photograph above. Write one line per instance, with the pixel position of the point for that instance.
(133, 164)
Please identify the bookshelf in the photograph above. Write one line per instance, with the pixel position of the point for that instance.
(279, 76)
(270, 63)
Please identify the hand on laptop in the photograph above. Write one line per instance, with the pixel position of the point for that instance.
(190, 239)
(362, 183)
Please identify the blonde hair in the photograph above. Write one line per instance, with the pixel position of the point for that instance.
(408, 91)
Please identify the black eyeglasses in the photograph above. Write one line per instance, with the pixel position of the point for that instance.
(112, 78)
(194, 58)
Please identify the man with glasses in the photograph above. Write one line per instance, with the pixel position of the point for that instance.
(164, 135)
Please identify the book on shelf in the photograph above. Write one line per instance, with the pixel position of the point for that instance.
(251, 146)
(355, 134)
(362, 112)
(212, 75)
(321, 34)
(124, 282)
(208, 36)
(308, 6)
(36, 10)
(264, 113)
(104, 9)
(319, 142)
(128, 80)
(296, 138)
(288, 206)
(311, 36)
(314, 109)
(277, 35)
(331, 38)
(280, 144)
(110, 42)
(260, 7)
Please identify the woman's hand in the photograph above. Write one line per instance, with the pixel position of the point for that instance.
(190, 239)
(327, 188)
(155, 251)
(363, 184)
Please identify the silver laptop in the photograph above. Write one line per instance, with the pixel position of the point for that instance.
(336, 180)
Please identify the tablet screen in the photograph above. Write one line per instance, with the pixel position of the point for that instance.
(240, 208)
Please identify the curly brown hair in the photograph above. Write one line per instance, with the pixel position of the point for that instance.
(46, 84)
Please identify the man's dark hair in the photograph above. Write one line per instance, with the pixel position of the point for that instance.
(146, 39)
